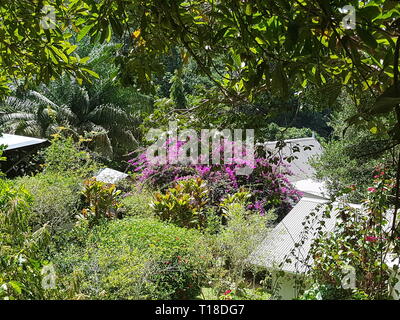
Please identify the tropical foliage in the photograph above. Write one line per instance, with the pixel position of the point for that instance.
(94, 77)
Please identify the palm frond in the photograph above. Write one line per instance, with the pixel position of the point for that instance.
(109, 115)
(17, 116)
(42, 99)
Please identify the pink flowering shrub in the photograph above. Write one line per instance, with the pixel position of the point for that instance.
(269, 187)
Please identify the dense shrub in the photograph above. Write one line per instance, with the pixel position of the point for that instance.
(56, 198)
(183, 204)
(137, 203)
(138, 258)
(15, 215)
(269, 187)
(65, 155)
(22, 250)
(231, 248)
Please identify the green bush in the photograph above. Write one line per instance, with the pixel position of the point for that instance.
(22, 251)
(137, 203)
(135, 258)
(15, 216)
(362, 242)
(66, 155)
(232, 246)
(55, 198)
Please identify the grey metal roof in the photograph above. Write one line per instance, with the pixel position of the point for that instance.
(299, 166)
(278, 245)
(108, 175)
(14, 141)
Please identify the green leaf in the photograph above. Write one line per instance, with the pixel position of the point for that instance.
(374, 130)
(367, 37)
(16, 286)
(259, 40)
(369, 12)
(386, 101)
(84, 60)
(236, 59)
(91, 72)
(347, 78)
(71, 49)
(109, 33)
(83, 32)
(59, 53)
(279, 82)
(248, 9)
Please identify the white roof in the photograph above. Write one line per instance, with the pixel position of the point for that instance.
(302, 150)
(108, 175)
(312, 188)
(14, 142)
(279, 244)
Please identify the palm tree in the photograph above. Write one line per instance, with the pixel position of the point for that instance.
(85, 112)
(25, 116)
(103, 110)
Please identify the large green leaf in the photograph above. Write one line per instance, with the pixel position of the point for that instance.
(367, 37)
(386, 101)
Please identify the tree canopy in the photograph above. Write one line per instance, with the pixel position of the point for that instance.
(35, 41)
(275, 46)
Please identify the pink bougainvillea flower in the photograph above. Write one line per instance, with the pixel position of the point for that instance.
(268, 183)
(371, 238)
(227, 292)
(370, 189)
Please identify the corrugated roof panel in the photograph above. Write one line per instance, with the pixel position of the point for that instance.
(311, 188)
(280, 242)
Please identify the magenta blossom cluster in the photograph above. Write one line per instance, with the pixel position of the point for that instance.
(267, 182)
